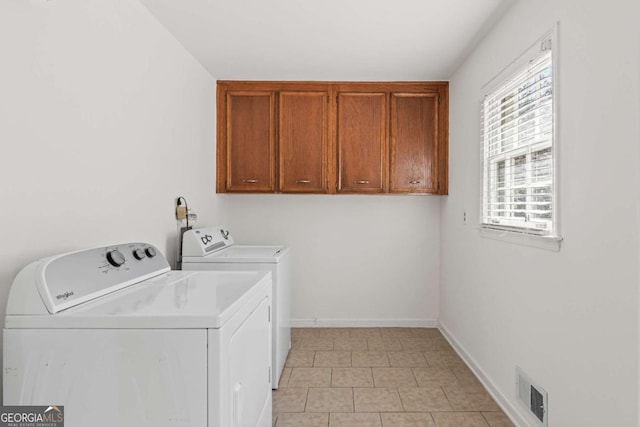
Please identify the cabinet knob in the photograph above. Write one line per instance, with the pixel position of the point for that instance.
(361, 181)
(250, 181)
(414, 182)
(303, 181)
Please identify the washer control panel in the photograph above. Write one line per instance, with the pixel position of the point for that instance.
(205, 241)
(71, 279)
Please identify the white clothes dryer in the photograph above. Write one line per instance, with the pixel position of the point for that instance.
(118, 339)
(212, 248)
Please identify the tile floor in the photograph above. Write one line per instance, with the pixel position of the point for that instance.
(379, 377)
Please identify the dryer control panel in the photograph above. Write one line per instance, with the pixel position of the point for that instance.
(205, 241)
(64, 281)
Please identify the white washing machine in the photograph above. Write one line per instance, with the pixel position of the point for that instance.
(120, 340)
(212, 248)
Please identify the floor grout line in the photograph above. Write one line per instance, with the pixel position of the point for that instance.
(414, 376)
(353, 399)
(432, 419)
(448, 400)
(331, 377)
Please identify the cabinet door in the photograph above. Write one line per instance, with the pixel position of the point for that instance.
(362, 142)
(250, 141)
(414, 142)
(302, 138)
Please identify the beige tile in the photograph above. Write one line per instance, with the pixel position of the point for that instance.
(364, 332)
(396, 333)
(369, 358)
(332, 358)
(461, 369)
(426, 332)
(443, 343)
(351, 377)
(475, 387)
(434, 336)
(406, 359)
(369, 376)
(316, 344)
(464, 375)
(459, 419)
(393, 377)
(300, 359)
(497, 419)
(289, 400)
(419, 344)
(435, 377)
(310, 377)
(407, 419)
(350, 344)
(333, 333)
(376, 400)
(442, 358)
(353, 420)
(424, 399)
(330, 400)
(296, 343)
(274, 418)
(470, 398)
(284, 377)
(306, 419)
(384, 344)
(304, 332)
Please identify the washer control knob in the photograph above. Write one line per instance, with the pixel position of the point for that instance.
(150, 252)
(138, 254)
(115, 258)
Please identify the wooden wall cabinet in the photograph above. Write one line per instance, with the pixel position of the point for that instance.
(302, 139)
(332, 137)
(246, 156)
(362, 142)
(414, 143)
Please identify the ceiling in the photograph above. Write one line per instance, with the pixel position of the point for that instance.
(328, 39)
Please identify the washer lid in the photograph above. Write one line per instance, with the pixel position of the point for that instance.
(242, 254)
(173, 300)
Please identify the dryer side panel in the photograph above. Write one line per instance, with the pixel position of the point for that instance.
(281, 303)
(240, 365)
(250, 368)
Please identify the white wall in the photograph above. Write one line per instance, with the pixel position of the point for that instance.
(568, 318)
(104, 120)
(358, 260)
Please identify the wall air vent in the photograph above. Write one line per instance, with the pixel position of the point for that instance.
(532, 397)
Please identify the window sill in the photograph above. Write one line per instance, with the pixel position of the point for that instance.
(541, 242)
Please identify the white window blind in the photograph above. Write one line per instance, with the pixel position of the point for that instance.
(518, 147)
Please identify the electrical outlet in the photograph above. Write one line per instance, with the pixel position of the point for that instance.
(464, 217)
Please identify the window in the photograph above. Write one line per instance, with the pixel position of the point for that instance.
(518, 146)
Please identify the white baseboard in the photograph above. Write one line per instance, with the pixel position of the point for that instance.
(509, 409)
(364, 323)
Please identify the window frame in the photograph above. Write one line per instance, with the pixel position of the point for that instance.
(512, 231)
